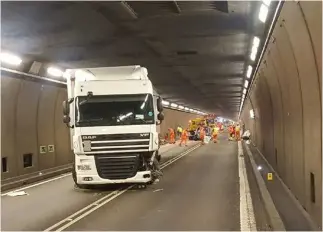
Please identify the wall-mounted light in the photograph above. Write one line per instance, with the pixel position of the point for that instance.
(249, 71)
(165, 103)
(10, 59)
(263, 13)
(56, 72)
(173, 105)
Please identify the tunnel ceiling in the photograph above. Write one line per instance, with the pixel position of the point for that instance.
(196, 52)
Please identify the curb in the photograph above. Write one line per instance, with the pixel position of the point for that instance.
(274, 217)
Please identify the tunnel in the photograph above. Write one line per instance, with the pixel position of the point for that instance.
(256, 65)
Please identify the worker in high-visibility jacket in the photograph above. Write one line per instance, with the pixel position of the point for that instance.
(179, 131)
(171, 136)
(215, 133)
(202, 135)
(184, 137)
(231, 132)
(237, 132)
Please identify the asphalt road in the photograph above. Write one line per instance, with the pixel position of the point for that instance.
(199, 192)
(51, 202)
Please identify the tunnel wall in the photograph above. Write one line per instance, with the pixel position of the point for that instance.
(31, 117)
(286, 99)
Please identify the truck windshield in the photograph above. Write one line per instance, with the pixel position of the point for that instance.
(114, 110)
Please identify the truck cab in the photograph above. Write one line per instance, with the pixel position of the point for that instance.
(113, 114)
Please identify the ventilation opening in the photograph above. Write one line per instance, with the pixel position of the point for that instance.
(312, 188)
(4, 164)
(276, 155)
(28, 160)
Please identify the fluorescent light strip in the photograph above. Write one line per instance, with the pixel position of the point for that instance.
(249, 71)
(10, 59)
(54, 72)
(165, 103)
(246, 83)
(267, 2)
(173, 105)
(263, 13)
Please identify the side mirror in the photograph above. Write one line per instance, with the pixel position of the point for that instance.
(160, 107)
(161, 116)
(66, 119)
(66, 108)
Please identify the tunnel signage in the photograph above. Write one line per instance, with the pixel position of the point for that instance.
(269, 176)
(43, 149)
(51, 148)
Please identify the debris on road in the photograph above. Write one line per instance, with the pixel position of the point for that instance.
(157, 190)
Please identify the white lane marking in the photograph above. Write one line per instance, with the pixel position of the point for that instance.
(247, 216)
(37, 184)
(57, 178)
(104, 200)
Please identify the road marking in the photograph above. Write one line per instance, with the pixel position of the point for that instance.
(247, 216)
(37, 184)
(82, 213)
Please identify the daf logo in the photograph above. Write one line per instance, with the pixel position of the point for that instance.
(144, 135)
(89, 137)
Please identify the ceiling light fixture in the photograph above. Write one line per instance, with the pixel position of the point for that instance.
(246, 83)
(244, 91)
(10, 59)
(181, 107)
(263, 13)
(267, 2)
(165, 103)
(249, 71)
(173, 105)
(56, 72)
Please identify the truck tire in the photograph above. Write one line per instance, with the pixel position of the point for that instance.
(80, 186)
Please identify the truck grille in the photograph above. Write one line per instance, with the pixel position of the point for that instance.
(117, 167)
(135, 142)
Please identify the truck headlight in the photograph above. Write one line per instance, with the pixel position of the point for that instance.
(84, 167)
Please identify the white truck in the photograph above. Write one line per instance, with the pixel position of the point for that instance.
(112, 113)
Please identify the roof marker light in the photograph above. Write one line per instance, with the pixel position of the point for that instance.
(249, 71)
(54, 72)
(246, 83)
(165, 103)
(263, 13)
(173, 105)
(10, 59)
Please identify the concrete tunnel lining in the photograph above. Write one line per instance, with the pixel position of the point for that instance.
(289, 67)
(285, 96)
